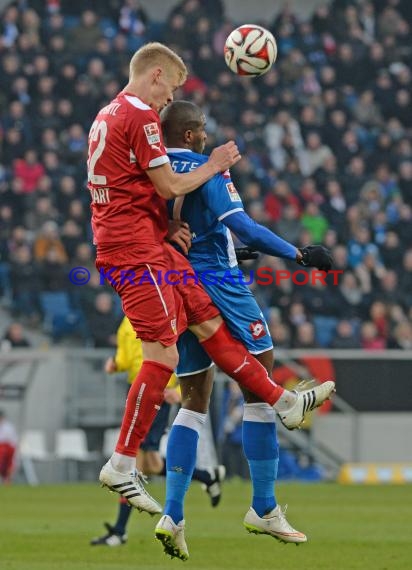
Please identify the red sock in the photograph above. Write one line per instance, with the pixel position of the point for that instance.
(143, 402)
(233, 358)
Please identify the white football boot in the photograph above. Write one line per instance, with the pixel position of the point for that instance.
(214, 488)
(172, 536)
(309, 396)
(273, 524)
(130, 486)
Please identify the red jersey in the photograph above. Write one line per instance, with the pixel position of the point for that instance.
(124, 141)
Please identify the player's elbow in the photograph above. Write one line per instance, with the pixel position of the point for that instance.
(170, 188)
(174, 190)
(165, 192)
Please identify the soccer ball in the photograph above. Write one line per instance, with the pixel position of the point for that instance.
(250, 50)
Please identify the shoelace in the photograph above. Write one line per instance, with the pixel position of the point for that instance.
(305, 385)
(141, 480)
(282, 518)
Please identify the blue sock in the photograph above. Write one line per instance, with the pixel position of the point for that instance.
(261, 449)
(180, 463)
(125, 510)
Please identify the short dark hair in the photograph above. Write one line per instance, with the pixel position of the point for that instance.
(179, 117)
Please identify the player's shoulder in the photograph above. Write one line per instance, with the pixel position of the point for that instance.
(187, 154)
(222, 182)
(137, 107)
(184, 160)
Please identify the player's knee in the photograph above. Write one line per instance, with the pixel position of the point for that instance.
(205, 330)
(166, 355)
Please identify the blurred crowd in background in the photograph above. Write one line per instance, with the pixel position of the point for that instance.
(326, 139)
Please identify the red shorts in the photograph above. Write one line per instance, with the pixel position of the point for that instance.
(159, 303)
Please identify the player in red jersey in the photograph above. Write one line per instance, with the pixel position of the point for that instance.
(130, 179)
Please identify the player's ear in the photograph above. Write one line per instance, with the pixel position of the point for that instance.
(188, 136)
(156, 74)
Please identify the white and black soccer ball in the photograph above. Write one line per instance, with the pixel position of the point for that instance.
(250, 50)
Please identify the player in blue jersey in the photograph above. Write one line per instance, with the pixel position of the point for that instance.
(213, 211)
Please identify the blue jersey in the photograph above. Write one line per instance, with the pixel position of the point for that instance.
(204, 209)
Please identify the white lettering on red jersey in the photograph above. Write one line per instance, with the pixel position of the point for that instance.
(124, 141)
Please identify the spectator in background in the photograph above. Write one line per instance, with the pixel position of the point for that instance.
(360, 245)
(42, 213)
(379, 316)
(8, 447)
(29, 170)
(279, 197)
(345, 336)
(103, 322)
(352, 136)
(14, 337)
(71, 238)
(391, 251)
(84, 37)
(405, 181)
(305, 336)
(53, 272)
(369, 337)
(402, 336)
(353, 304)
(315, 154)
(24, 283)
(289, 226)
(315, 222)
(133, 22)
(406, 279)
(47, 240)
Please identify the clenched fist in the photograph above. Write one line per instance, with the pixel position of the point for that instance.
(224, 156)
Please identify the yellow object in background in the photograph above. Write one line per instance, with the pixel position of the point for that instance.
(375, 473)
(129, 353)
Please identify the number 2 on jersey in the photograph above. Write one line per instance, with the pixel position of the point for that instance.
(98, 133)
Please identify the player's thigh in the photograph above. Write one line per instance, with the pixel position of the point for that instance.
(193, 359)
(154, 309)
(242, 314)
(158, 352)
(196, 302)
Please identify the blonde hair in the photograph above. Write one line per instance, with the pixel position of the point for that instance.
(153, 54)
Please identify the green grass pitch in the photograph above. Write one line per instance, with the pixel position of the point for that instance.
(349, 527)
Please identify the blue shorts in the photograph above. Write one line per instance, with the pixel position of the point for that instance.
(152, 439)
(243, 317)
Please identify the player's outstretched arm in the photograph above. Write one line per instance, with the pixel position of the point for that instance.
(171, 185)
(258, 237)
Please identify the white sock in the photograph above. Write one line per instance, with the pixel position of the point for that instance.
(190, 419)
(286, 401)
(123, 463)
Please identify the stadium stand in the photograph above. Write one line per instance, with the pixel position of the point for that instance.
(325, 138)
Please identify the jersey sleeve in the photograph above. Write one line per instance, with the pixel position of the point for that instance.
(221, 196)
(145, 137)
